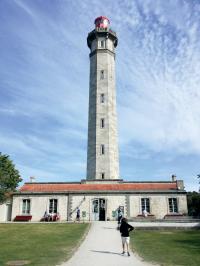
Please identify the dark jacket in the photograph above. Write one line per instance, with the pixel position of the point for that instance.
(125, 228)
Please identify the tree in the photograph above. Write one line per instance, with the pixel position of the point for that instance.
(193, 200)
(9, 177)
(198, 176)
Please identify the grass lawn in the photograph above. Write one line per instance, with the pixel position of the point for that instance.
(41, 244)
(173, 247)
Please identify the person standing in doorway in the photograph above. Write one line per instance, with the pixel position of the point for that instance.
(78, 215)
(125, 228)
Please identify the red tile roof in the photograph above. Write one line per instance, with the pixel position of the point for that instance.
(62, 187)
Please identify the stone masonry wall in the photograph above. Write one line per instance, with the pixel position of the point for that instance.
(158, 204)
(40, 204)
(102, 81)
(84, 202)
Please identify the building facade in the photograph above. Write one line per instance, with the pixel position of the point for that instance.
(101, 194)
(100, 201)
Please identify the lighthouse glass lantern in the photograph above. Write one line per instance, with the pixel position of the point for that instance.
(102, 22)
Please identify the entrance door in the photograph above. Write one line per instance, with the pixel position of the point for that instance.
(102, 210)
(99, 210)
(95, 209)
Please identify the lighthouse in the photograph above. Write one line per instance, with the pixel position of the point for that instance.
(102, 149)
(103, 193)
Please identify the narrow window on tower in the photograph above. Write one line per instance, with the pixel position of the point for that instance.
(102, 44)
(102, 149)
(102, 175)
(102, 74)
(102, 123)
(102, 98)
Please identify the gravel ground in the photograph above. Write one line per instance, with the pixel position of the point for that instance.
(102, 247)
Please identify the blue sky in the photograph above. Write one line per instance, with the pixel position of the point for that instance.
(44, 87)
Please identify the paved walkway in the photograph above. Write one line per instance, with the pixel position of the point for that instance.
(102, 247)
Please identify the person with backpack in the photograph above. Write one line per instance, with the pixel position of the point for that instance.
(125, 228)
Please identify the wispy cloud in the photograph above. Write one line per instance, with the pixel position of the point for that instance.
(162, 96)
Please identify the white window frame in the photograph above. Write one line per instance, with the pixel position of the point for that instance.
(52, 210)
(102, 44)
(174, 206)
(27, 208)
(146, 206)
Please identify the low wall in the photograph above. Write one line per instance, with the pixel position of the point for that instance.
(165, 225)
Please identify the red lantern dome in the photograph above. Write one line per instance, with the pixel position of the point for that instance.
(102, 22)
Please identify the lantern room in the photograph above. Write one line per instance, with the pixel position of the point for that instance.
(102, 22)
(103, 35)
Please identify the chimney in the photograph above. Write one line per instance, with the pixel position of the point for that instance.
(173, 178)
(180, 185)
(32, 179)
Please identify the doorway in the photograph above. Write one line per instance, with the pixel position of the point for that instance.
(99, 209)
(8, 212)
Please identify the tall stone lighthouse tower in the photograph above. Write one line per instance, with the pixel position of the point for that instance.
(102, 151)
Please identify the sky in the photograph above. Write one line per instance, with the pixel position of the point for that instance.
(44, 87)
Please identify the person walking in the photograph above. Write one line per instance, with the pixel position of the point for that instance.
(125, 228)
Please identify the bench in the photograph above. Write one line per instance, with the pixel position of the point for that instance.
(23, 218)
(141, 218)
(173, 216)
(148, 216)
